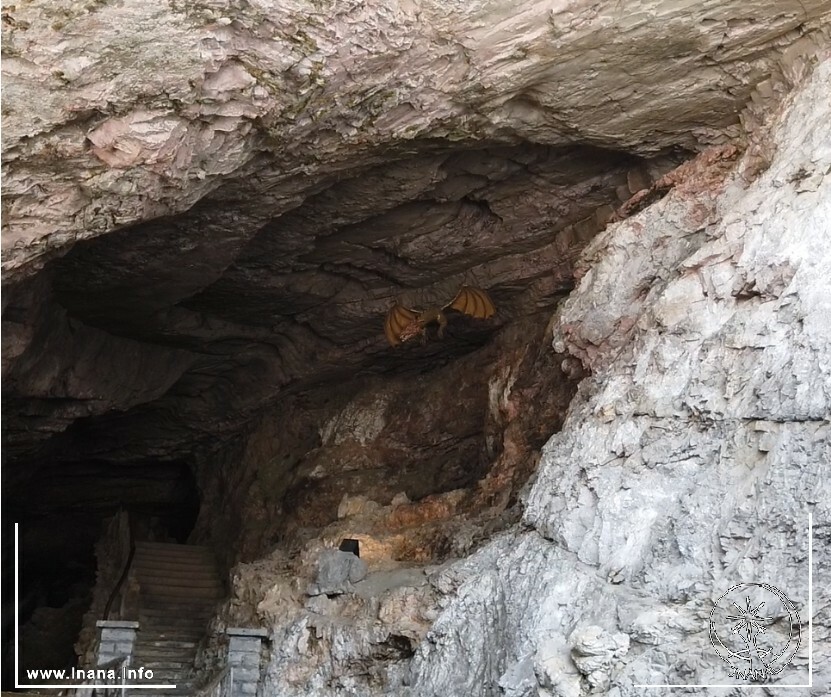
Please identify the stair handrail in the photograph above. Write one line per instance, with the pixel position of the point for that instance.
(121, 662)
(103, 688)
(125, 571)
(220, 685)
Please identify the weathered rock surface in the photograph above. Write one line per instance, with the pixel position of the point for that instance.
(285, 95)
(692, 457)
(449, 443)
(209, 208)
(689, 462)
(337, 572)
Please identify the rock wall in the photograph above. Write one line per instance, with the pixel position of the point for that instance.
(464, 435)
(689, 461)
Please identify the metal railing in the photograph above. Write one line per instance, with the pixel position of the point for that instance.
(125, 572)
(102, 688)
(220, 685)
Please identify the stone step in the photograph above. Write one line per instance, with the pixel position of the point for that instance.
(152, 589)
(175, 613)
(175, 581)
(168, 615)
(158, 590)
(182, 632)
(179, 582)
(172, 675)
(194, 637)
(178, 663)
(175, 562)
(151, 620)
(199, 559)
(175, 570)
(168, 672)
(152, 624)
(176, 607)
(159, 550)
(167, 644)
(161, 580)
(160, 631)
(148, 590)
(179, 587)
(153, 642)
(175, 567)
(182, 688)
(200, 598)
(173, 632)
(171, 661)
(144, 555)
(168, 678)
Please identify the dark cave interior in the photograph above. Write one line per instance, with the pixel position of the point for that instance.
(189, 368)
(61, 512)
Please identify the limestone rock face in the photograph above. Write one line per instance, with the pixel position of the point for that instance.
(690, 460)
(283, 94)
(337, 572)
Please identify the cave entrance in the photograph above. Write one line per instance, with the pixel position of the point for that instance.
(252, 324)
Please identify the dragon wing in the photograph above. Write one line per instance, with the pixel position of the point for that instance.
(398, 320)
(474, 302)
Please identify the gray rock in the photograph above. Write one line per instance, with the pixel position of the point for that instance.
(519, 679)
(336, 572)
(594, 651)
(690, 459)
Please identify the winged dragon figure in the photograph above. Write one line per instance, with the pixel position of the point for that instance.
(403, 324)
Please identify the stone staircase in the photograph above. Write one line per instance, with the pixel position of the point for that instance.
(179, 586)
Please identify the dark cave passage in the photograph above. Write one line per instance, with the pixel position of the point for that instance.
(62, 513)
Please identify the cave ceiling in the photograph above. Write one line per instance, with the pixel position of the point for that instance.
(185, 247)
(178, 329)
